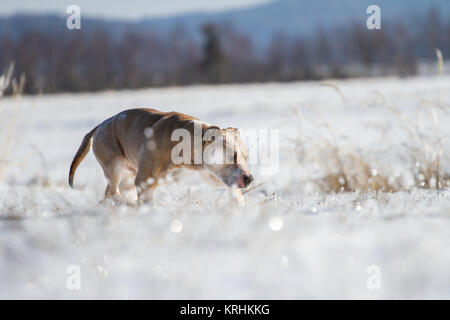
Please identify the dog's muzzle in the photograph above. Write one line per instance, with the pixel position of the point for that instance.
(246, 179)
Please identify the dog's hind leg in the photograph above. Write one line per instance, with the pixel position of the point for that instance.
(113, 172)
(127, 187)
(109, 154)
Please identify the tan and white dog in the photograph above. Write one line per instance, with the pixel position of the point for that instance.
(136, 150)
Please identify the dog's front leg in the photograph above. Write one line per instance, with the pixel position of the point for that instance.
(238, 197)
(147, 176)
(145, 193)
(145, 186)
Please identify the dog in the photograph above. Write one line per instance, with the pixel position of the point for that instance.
(137, 148)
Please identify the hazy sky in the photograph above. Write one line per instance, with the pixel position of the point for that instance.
(128, 9)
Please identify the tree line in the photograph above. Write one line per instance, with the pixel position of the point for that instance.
(95, 60)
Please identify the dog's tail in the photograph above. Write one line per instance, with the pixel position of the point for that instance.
(83, 150)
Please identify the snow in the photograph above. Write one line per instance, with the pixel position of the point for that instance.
(292, 240)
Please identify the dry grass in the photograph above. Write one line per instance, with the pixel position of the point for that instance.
(10, 116)
(343, 167)
(440, 59)
(352, 173)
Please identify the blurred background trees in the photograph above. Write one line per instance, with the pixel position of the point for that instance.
(92, 59)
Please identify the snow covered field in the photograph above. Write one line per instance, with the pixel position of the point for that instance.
(296, 238)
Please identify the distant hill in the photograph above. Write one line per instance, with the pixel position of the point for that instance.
(292, 17)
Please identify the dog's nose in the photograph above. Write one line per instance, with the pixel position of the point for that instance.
(248, 178)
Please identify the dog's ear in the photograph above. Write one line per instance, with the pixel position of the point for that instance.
(208, 133)
(234, 130)
(210, 127)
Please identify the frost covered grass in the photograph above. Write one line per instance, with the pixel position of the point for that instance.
(362, 182)
(10, 115)
(416, 140)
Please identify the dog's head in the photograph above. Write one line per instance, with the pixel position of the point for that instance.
(225, 156)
